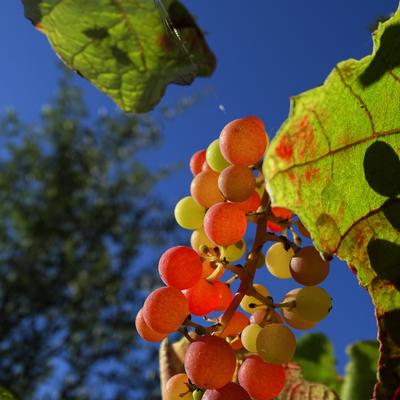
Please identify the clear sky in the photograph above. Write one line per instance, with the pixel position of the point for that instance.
(267, 51)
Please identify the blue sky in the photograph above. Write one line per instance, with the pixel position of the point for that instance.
(267, 51)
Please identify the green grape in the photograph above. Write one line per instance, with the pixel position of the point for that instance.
(276, 344)
(250, 303)
(214, 157)
(234, 252)
(313, 303)
(189, 214)
(278, 259)
(249, 337)
(197, 394)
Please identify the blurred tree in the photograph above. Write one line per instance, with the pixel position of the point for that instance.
(77, 210)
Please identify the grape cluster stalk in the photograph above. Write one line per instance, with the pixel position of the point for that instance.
(237, 355)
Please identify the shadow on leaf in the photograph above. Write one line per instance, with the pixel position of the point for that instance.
(387, 57)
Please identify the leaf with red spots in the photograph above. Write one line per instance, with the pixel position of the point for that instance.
(335, 163)
(129, 49)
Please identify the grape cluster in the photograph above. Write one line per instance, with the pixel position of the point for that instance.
(227, 193)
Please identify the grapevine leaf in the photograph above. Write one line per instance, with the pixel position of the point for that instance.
(361, 371)
(316, 357)
(335, 163)
(129, 49)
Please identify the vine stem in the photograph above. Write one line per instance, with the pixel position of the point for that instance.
(246, 284)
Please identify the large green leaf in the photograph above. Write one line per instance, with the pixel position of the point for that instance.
(129, 49)
(335, 163)
(360, 371)
(316, 358)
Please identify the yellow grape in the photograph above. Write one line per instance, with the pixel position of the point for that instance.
(189, 214)
(234, 252)
(199, 239)
(313, 303)
(278, 259)
(291, 315)
(214, 157)
(276, 344)
(177, 388)
(250, 303)
(249, 337)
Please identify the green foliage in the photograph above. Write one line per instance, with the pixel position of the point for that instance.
(316, 358)
(77, 212)
(126, 48)
(5, 394)
(335, 163)
(360, 371)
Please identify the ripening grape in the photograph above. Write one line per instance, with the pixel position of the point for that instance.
(261, 380)
(224, 296)
(243, 141)
(251, 204)
(276, 344)
(234, 252)
(250, 303)
(165, 309)
(259, 316)
(249, 337)
(214, 157)
(180, 267)
(197, 161)
(231, 391)
(278, 259)
(204, 188)
(235, 325)
(308, 268)
(202, 297)
(145, 331)
(225, 223)
(237, 183)
(236, 343)
(209, 268)
(292, 316)
(199, 239)
(210, 362)
(177, 388)
(313, 303)
(189, 214)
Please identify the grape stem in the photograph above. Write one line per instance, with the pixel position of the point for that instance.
(214, 276)
(185, 333)
(288, 304)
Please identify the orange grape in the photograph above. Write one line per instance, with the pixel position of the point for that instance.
(202, 297)
(225, 223)
(308, 268)
(237, 183)
(210, 362)
(281, 213)
(235, 325)
(204, 188)
(165, 309)
(231, 391)
(243, 141)
(177, 388)
(261, 380)
(251, 204)
(145, 331)
(224, 296)
(197, 161)
(180, 267)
